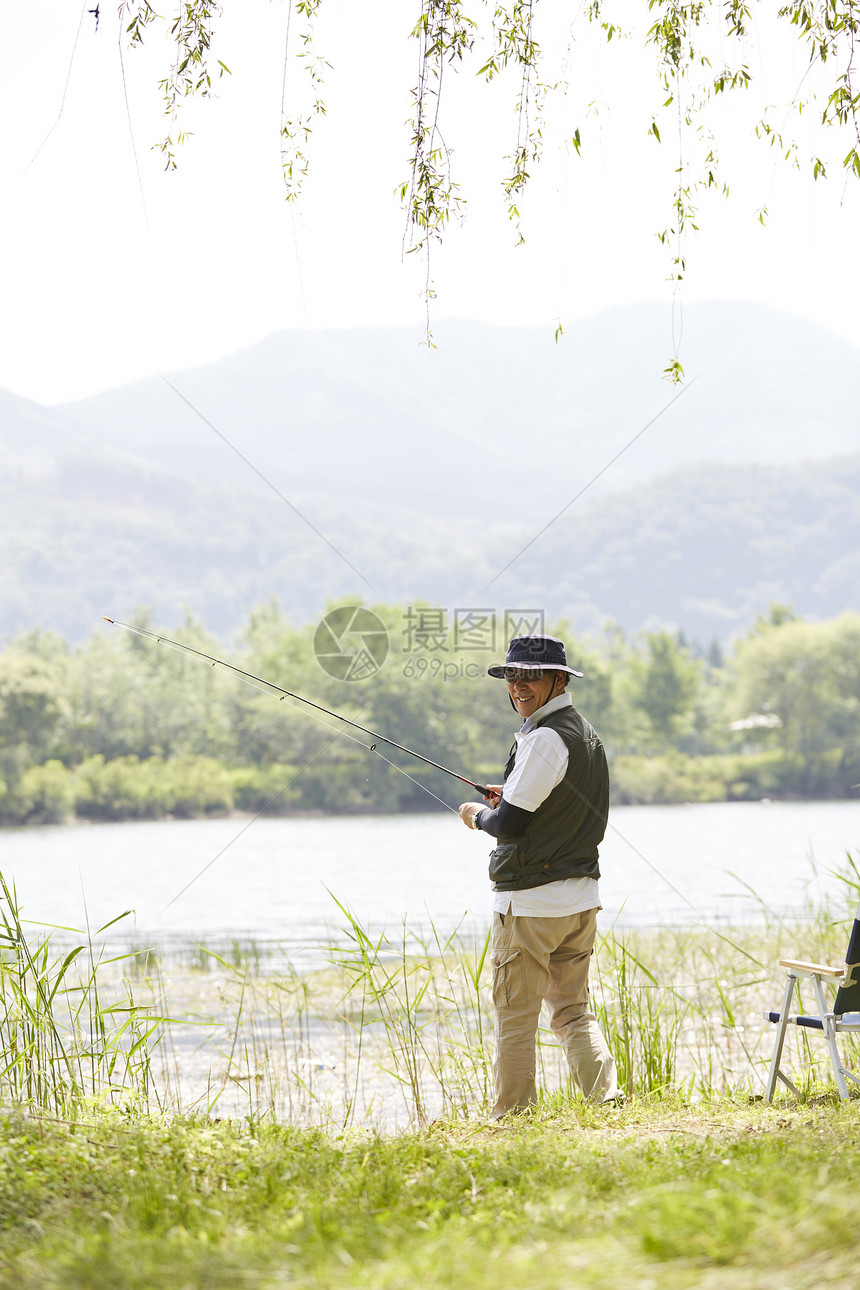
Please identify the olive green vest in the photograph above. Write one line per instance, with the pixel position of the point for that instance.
(563, 834)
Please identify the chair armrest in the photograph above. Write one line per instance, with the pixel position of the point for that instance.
(810, 969)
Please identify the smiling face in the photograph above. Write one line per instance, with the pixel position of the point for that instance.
(528, 695)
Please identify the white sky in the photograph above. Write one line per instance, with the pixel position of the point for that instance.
(114, 269)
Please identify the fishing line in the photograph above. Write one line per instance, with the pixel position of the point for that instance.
(128, 118)
(411, 778)
(65, 88)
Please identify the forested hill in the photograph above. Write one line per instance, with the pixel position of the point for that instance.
(410, 475)
(703, 549)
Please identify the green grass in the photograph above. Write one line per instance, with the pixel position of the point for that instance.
(291, 1175)
(657, 1193)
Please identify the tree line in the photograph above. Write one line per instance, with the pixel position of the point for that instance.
(119, 727)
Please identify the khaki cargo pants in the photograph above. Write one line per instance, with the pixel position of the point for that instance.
(537, 961)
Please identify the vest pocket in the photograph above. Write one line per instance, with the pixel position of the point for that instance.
(503, 862)
(509, 979)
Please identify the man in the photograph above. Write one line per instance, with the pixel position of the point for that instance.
(548, 818)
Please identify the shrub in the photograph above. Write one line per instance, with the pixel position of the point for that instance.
(269, 788)
(647, 780)
(43, 795)
(129, 789)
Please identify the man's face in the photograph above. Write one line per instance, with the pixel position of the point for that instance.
(528, 694)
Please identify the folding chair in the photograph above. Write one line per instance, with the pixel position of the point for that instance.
(845, 1015)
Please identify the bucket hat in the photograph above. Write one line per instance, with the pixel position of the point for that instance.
(544, 652)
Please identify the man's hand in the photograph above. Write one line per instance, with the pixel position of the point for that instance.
(494, 794)
(468, 811)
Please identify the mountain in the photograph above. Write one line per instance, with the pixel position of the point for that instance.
(365, 415)
(319, 464)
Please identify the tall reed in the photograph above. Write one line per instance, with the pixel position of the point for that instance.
(63, 1039)
(393, 1029)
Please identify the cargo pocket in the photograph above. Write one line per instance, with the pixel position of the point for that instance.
(509, 979)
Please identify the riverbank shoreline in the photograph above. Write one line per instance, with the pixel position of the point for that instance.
(198, 787)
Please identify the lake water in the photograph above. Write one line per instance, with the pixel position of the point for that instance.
(277, 879)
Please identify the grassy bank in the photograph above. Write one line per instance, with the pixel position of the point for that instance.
(727, 1193)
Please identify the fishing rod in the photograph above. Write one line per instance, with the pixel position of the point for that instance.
(259, 682)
